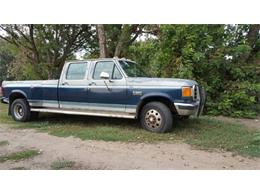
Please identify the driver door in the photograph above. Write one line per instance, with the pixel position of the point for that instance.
(107, 94)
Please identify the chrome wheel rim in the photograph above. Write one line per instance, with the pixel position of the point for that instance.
(18, 111)
(153, 119)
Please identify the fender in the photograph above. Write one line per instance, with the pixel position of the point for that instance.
(18, 91)
(153, 95)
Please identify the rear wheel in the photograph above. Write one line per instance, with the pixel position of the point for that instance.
(156, 117)
(20, 110)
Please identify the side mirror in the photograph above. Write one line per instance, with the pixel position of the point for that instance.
(104, 75)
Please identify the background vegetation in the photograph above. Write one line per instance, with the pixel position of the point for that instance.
(223, 58)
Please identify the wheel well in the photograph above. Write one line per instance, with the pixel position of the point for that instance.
(161, 99)
(14, 96)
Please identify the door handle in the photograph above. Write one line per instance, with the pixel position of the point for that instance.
(92, 83)
(65, 83)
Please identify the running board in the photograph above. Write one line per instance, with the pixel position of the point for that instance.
(87, 113)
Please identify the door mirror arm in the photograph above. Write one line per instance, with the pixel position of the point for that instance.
(105, 76)
(108, 88)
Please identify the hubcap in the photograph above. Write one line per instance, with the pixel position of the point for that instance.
(153, 119)
(18, 111)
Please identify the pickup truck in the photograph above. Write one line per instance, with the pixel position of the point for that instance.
(110, 87)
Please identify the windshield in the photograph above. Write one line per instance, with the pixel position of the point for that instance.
(132, 69)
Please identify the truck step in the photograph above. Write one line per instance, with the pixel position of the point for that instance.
(87, 113)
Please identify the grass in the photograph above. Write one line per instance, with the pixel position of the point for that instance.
(203, 133)
(4, 143)
(18, 168)
(62, 164)
(21, 155)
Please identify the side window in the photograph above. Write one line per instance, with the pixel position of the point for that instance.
(108, 67)
(117, 74)
(76, 71)
(103, 67)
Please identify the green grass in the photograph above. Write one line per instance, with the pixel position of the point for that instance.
(21, 155)
(62, 164)
(4, 143)
(18, 168)
(203, 133)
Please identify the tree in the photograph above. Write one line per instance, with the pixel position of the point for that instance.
(48, 45)
(253, 35)
(114, 39)
(6, 58)
(222, 58)
(126, 38)
(102, 40)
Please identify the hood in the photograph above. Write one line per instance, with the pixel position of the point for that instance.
(169, 82)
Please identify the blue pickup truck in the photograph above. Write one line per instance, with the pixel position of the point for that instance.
(109, 87)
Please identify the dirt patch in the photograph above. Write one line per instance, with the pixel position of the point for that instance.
(114, 155)
(251, 123)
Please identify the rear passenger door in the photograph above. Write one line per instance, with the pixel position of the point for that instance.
(107, 94)
(73, 86)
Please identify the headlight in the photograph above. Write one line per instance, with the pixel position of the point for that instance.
(186, 91)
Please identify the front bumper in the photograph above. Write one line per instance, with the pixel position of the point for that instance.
(194, 108)
(185, 109)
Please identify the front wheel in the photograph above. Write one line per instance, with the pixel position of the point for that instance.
(156, 117)
(20, 110)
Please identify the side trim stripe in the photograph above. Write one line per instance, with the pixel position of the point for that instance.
(89, 113)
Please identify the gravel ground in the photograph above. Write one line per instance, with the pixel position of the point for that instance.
(113, 155)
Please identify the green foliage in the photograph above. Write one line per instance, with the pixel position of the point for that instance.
(219, 57)
(17, 156)
(43, 48)
(62, 164)
(143, 52)
(6, 58)
(4, 143)
(237, 101)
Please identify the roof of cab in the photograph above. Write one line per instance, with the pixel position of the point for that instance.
(87, 60)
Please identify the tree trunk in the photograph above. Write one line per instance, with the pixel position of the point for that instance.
(102, 40)
(119, 48)
(253, 34)
(124, 38)
(252, 37)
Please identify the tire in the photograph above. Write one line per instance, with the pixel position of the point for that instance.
(156, 117)
(20, 110)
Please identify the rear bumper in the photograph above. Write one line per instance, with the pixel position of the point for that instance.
(4, 100)
(195, 108)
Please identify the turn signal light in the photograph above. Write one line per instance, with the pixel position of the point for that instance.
(186, 92)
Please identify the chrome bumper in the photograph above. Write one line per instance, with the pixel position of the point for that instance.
(194, 108)
(185, 109)
(4, 100)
